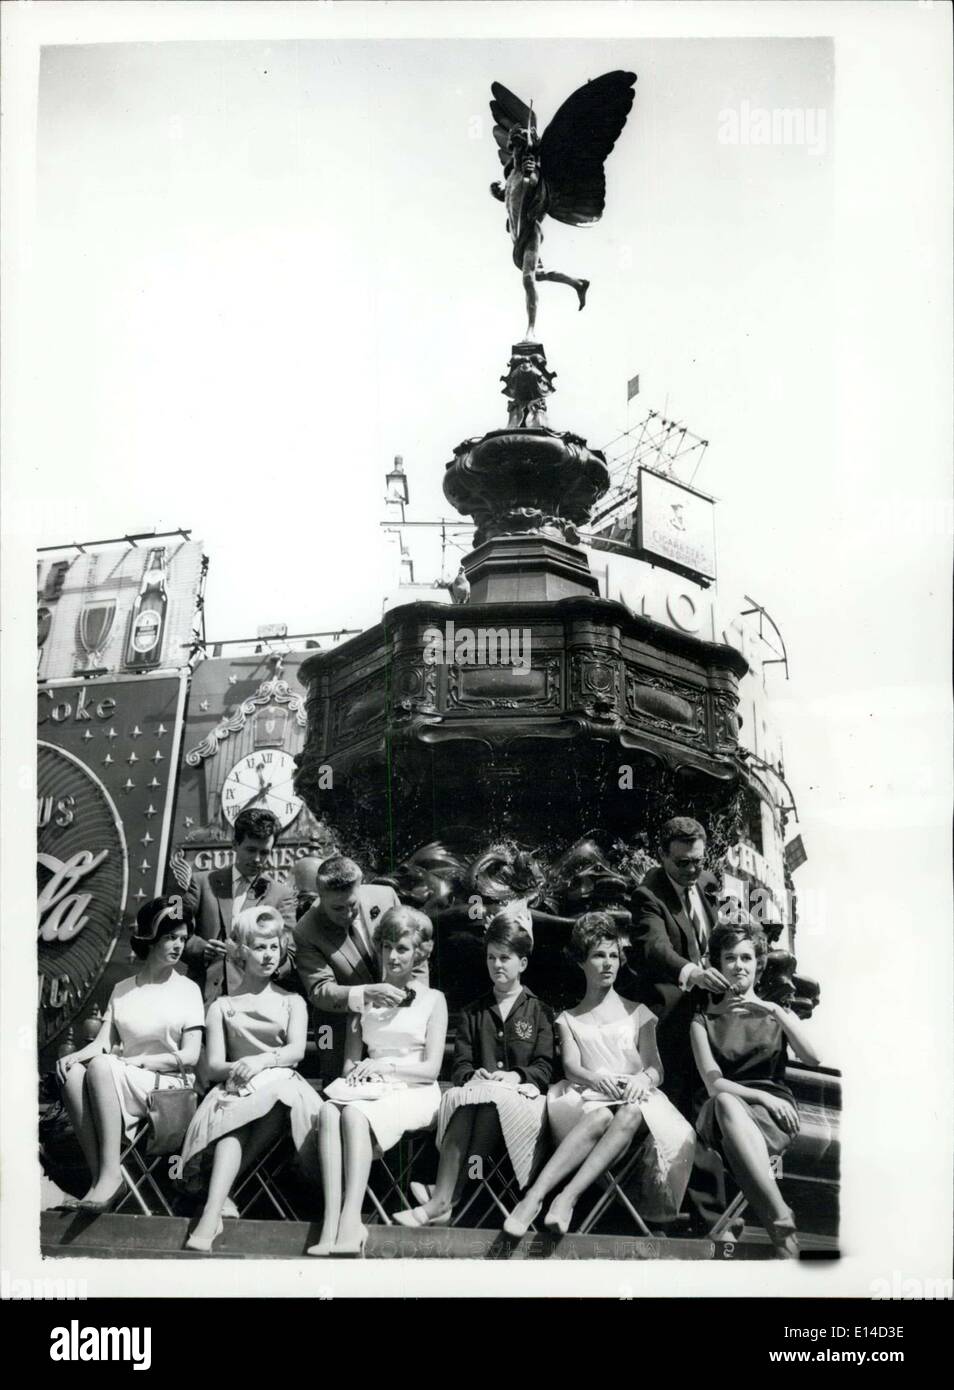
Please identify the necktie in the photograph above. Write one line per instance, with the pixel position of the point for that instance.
(360, 938)
(697, 919)
(242, 885)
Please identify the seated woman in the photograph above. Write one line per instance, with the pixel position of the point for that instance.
(255, 1038)
(392, 1091)
(739, 1043)
(150, 1039)
(503, 1062)
(611, 1091)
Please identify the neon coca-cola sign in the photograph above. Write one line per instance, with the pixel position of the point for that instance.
(61, 913)
(82, 882)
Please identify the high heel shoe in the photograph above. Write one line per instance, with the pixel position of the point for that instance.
(516, 1228)
(110, 1202)
(322, 1250)
(203, 1245)
(553, 1223)
(417, 1216)
(784, 1236)
(351, 1249)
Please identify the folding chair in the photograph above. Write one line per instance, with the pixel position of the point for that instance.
(499, 1185)
(261, 1180)
(395, 1169)
(739, 1203)
(613, 1181)
(139, 1172)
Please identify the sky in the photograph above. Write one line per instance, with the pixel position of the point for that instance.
(267, 268)
(258, 270)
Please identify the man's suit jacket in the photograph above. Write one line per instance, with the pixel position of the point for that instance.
(664, 941)
(330, 964)
(664, 938)
(209, 899)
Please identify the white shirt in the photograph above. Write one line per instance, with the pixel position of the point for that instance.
(240, 890)
(696, 912)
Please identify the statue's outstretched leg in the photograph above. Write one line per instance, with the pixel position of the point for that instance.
(531, 257)
(581, 286)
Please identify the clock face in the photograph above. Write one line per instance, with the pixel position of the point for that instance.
(264, 779)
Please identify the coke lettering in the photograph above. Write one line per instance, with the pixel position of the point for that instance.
(61, 912)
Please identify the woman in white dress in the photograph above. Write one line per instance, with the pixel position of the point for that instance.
(393, 1090)
(611, 1091)
(255, 1038)
(149, 1040)
(503, 1062)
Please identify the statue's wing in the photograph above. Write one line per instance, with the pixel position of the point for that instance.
(576, 143)
(508, 112)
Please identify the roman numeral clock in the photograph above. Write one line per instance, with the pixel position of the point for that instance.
(244, 758)
(263, 778)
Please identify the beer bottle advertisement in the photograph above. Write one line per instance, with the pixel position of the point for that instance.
(144, 647)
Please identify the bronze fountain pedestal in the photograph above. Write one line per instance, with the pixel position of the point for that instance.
(550, 717)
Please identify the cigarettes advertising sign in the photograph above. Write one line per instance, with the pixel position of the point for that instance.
(106, 758)
(675, 526)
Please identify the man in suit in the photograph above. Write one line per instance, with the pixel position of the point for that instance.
(214, 899)
(305, 874)
(335, 955)
(674, 911)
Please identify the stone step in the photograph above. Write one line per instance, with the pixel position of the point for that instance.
(110, 1236)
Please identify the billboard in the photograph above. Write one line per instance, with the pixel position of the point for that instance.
(107, 751)
(675, 526)
(115, 610)
(244, 726)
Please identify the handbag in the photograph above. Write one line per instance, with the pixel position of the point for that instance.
(340, 1091)
(169, 1114)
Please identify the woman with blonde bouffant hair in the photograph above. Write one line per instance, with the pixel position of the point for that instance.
(392, 1059)
(255, 1038)
(503, 1063)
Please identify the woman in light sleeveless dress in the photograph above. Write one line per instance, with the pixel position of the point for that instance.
(503, 1062)
(394, 1089)
(150, 1040)
(255, 1038)
(610, 1095)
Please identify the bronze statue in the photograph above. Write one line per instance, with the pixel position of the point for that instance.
(559, 174)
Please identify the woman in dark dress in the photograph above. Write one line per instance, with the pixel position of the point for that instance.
(503, 1061)
(740, 1045)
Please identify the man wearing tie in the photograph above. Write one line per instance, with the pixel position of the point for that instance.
(336, 959)
(216, 898)
(672, 919)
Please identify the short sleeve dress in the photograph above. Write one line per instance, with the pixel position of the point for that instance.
(149, 1018)
(400, 1032)
(251, 1028)
(751, 1050)
(610, 1048)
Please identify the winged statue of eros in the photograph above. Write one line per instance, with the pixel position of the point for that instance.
(559, 174)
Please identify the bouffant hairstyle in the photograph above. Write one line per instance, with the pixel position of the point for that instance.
(338, 873)
(592, 928)
(155, 919)
(257, 822)
(252, 922)
(405, 921)
(728, 934)
(508, 928)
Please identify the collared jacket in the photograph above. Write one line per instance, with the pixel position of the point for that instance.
(208, 900)
(522, 1042)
